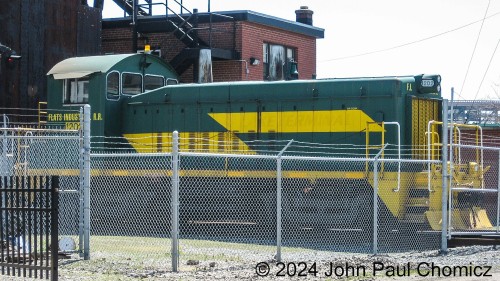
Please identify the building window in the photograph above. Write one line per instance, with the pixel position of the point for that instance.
(276, 61)
(152, 82)
(131, 83)
(291, 67)
(265, 60)
(76, 91)
(113, 86)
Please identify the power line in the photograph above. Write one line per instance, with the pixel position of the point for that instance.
(410, 43)
(475, 46)
(487, 68)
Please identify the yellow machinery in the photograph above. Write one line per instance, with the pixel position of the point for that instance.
(415, 197)
(464, 177)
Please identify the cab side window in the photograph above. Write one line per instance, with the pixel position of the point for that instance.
(171, 81)
(113, 86)
(152, 82)
(131, 83)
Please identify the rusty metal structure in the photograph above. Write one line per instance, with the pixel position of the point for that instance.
(43, 33)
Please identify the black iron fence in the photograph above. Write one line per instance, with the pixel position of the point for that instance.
(29, 226)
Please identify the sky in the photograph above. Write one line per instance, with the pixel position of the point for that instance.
(458, 39)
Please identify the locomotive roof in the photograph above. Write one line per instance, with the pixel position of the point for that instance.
(320, 80)
(78, 67)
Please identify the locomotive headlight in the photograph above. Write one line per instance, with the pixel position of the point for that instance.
(428, 84)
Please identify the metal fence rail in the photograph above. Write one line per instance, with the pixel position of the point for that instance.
(29, 226)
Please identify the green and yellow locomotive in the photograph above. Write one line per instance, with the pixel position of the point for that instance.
(137, 98)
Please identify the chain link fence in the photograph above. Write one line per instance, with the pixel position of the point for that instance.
(474, 198)
(409, 210)
(264, 201)
(34, 152)
(222, 199)
(266, 206)
(188, 204)
(327, 204)
(130, 200)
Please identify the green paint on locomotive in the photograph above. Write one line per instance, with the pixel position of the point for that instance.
(329, 111)
(332, 111)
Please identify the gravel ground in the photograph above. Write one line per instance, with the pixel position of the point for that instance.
(205, 260)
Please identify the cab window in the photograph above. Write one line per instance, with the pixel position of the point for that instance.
(76, 91)
(113, 86)
(131, 83)
(152, 82)
(171, 81)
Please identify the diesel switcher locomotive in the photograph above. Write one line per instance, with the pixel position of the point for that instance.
(137, 102)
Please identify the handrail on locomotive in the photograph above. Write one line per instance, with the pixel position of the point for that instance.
(473, 170)
(382, 147)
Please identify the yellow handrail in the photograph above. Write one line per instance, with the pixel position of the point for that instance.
(432, 145)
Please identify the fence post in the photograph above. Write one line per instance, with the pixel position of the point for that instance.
(444, 189)
(4, 164)
(54, 231)
(81, 188)
(498, 193)
(375, 206)
(279, 201)
(375, 199)
(452, 164)
(175, 202)
(3, 161)
(86, 182)
(4, 138)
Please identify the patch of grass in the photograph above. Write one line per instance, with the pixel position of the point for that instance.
(160, 248)
(227, 245)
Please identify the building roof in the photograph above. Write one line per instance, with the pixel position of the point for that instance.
(272, 21)
(151, 24)
(82, 66)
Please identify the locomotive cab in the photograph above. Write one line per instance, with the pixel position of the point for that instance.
(103, 82)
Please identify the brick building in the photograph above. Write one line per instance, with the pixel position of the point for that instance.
(243, 45)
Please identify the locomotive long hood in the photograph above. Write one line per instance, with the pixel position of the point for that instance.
(325, 121)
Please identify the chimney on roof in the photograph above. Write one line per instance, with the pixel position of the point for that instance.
(304, 15)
